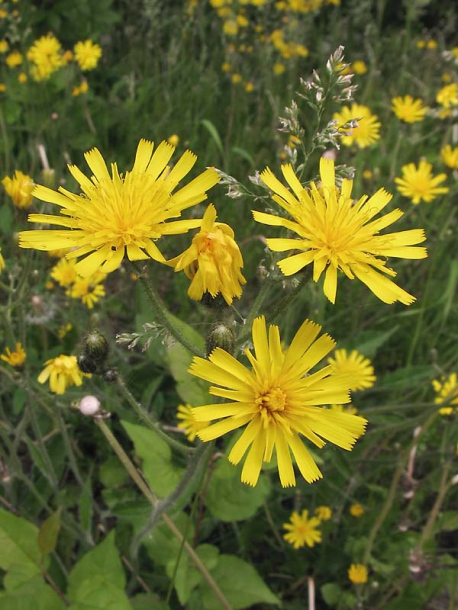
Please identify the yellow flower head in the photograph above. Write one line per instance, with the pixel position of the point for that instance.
(213, 261)
(88, 289)
(64, 272)
(276, 401)
(22, 77)
(449, 156)
(357, 573)
(188, 423)
(448, 96)
(174, 139)
(356, 510)
(19, 188)
(16, 358)
(119, 214)
(323, 513)
(359, 367)
(359, 67)
(14, 59)
(62, 373)
(302, 530)
(46, 55)
(409, 110)
(336, 233)
(418, 183)
(4, 46)
(366, 129)
(87, 54)
(446, 393)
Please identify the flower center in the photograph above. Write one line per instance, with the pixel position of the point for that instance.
(272, 401)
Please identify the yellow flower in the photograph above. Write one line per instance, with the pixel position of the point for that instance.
(447, 393)
(278, 68)
(119, 214)
(3, 87)
(213, 261)
(323, 513)
(22, 77)
(360, 368)
(14, 59)
(236, 78)
(336, 233)
(173, 139)
(357, 573)
(448, 95)
(302, 530)
(16, 358)
(366, 128)
(46, 55)
(226, 66)
(67, 57)
(87, 54)
(277, 398)
(409, 110)
(418, 184)
(249, 87)
(449, 156)
(2, 261)
(88, 289)
(64, 272)
(230, 27)
(188, 423)
(356, 510)
(19, 188)
(80, 89)
(62, 373)
(4, 46)
(359, 67)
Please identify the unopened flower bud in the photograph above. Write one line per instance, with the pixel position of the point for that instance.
(221, 336)
(95, 348)
(86, 365)
(110, 375)
(89, 405)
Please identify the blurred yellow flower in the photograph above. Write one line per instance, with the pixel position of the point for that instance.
(173, 139)
(188, 423)
(2, 261)
(87, 54)
(364, 129)
(356, 510)
(230, 27)
(418, 184)
(302, 530)
(46, 55)
(278, 68)
(409, 110)
(449, 156)
(447, 393)
(14, 59)
(236, 78)
(359, 67)
(64, 272)
(62, 372)
(359, 367)
(323, 513)
(22, 77)
(4, 46)
(448, 95)
(3, 87)
(88, 289)
(19, 188)
(16, 358)
(357, 573)
(336, 233)
(80, 89)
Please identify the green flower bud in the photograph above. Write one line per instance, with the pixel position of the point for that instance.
(220, 336)
(86, 365)
(95, 348)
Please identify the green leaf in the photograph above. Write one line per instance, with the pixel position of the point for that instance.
(34, 594)
(192, 390)
(18, 543)
(97, 593)
(101, 568)
(6, 220)
(447, 522)
(161, 544)
(214, 134)
(331, 593)
(231, 500)
(240, 583)
(368, 342)
(157, 468)
(112, 473)
(148, 601)
(49, 532)
(186, 576)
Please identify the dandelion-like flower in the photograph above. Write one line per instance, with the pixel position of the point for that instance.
(366, 130)
(336, 233)
(19, 188)
(408, 109)
(356, 510)
(64, 272)
(446, 390)
(89, 289)
(118, 214)
(213, 261)
(449, 156)
(87, 54)
(357, 573)
(46, 55)
(418, 183)
(302, 530)
(323, 513)
(360, 368)
(15, 358)
(62, 373)
(277, 401)
(188, 423)
(448, 96)
(14, 59)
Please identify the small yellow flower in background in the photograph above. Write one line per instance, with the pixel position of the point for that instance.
(123, 214)
(3, 87)
(2, 261)
(64, 330)
(409, 110)
(19, 188)
(323, 513)
(46, 55)
(67, 57)
(277, 401)
(278, 68)
(14, 59)
(236, 78)
(16, 358)
(302, 530)
(173, 139)
(188, 423)
(359, 67)
(4, 46)
(80, 89)
(356, 510)
(62, 372)
(448, 96)
(368, 174)
(447, 392)
(336, 233)
(357, 573)
(88, 289)
(226, 66)
(359, 367)
(230, 27)
(22, 77)
(249, 87)
(418, 184)
(367, 126)
(64, 272)
(87, 54)
(449, 156)
(213, 261)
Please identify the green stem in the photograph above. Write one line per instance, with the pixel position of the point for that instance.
(151, 497)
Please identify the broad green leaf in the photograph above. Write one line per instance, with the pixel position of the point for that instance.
(409, 597)
(99, 593)
(228, 498)
(240, 583)
(209, 126)
(148, 601)
(112, 473)
(34, 594)
(447, 522)
(331, 593)
(186, 576)
(18, 543)
(368, 342)
(49, 532)
(162, 545)
(192, 390)
(157, 468)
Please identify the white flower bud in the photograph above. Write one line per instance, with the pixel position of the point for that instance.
(89, 405)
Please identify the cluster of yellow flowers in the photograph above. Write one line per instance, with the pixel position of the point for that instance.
(87, 289)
